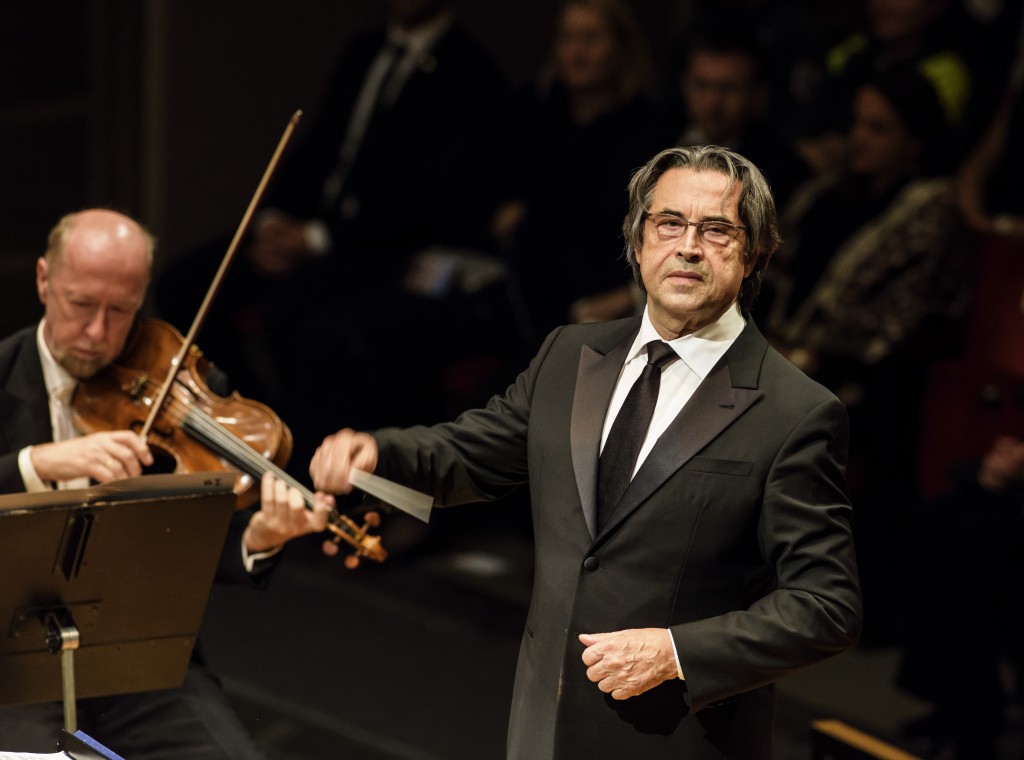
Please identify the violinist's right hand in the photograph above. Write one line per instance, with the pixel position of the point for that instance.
(106, 456)
(338, 454)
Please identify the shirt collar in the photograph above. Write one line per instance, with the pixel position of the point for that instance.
(421, 39)
(700, 350)
(59, 382)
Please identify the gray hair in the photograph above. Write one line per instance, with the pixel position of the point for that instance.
(756, 206)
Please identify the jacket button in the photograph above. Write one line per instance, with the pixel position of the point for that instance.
(591, 563)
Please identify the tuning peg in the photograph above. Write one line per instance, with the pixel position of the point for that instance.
(330, 546)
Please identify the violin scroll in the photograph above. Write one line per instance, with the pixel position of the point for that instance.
(357, 536)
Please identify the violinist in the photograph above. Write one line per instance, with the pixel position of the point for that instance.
(92, 282)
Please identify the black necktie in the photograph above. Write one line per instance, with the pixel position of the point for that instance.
(384, 97)
(629, 430)
(361, 127)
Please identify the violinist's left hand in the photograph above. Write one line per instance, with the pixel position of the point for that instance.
(283, 516)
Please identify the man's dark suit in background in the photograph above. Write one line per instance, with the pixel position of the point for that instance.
(354, 199)
(409, 137)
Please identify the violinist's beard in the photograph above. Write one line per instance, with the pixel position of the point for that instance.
(81, 369)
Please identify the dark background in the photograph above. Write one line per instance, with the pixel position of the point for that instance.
(170, 111)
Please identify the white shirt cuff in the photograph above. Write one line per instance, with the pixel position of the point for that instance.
(250, 560)
(679, 667)
(33, 483)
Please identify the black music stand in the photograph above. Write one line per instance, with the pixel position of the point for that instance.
(114, 577)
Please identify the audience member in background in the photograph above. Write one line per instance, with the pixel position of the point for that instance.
(924, 34)
(395, 100)
(967, 542)
(553, 164)
(873, 279)
(989, 191)
(793, 37)
(338, 223)
(968, 569)
(725, 97)
(991, 199)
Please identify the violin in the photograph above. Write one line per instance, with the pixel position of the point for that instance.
(157, 387)
(196, 430)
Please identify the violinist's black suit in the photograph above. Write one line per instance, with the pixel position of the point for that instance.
(194, 721)
(734, 534)
(24, 407)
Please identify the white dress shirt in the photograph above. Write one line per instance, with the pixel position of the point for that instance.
(698, 353)
(60, 386)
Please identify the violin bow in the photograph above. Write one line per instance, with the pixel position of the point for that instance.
(204, 307)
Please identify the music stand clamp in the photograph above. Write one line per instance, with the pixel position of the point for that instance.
(62, 636)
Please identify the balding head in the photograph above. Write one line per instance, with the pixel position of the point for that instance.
(104, 231)
(92, 282)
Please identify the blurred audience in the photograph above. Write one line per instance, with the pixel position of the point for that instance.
(989, 192)
(395, 100)
(967, 543)
(928, 35)
(870, 289)
(972, 387)
(967, 571)
(336, 222)
(793, 37)
(544, 185)
(726, 95)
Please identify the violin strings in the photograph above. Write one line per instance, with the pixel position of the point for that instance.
(206, 428)
(202, 423)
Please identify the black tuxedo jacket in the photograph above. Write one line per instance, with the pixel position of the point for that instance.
(25, 421)
(734, 534)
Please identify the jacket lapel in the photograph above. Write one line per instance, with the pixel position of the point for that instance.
(24, 405)
(598, 371)
(724, 395)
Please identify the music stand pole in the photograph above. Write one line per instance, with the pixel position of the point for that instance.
(63, 637)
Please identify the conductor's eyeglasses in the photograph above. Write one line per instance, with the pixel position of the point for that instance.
(671, 227)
